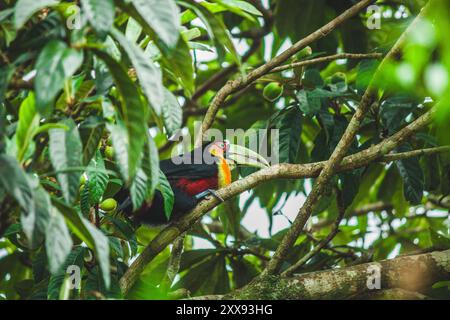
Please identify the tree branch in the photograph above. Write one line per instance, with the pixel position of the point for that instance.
(411, 273)
(327, 59)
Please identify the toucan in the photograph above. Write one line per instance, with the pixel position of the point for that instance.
(192, 177)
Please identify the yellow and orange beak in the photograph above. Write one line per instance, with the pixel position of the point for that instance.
(238, 155)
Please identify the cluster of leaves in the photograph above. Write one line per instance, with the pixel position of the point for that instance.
(82, 88)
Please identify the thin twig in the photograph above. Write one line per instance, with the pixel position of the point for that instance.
(327, 59)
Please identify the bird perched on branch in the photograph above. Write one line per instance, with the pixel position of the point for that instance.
(192, 177)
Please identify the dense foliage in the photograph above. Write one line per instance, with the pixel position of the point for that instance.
(91, 91)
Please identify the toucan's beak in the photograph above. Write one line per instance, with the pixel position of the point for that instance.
(243, 156)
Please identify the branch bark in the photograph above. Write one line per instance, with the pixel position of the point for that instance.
(410, 273)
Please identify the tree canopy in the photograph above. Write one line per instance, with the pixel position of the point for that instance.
(93, 92)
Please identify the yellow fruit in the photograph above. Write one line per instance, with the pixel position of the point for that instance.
(272, 91)
(108, 205)
(109, 152)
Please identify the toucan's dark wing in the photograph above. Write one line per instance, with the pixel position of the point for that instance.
(174, 171)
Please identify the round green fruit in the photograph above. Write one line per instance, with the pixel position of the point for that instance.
(305, 52)
(338, 77)
(273, 91)
(82, 180)
(108, 205)
(109, 152)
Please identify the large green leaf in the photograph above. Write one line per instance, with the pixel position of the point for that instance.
(6, 72)
(172, 113)
(180, 66)
(162, 17)
(100, 14)
(167, 193)
(27, 125)
(55, 64)
(14, 181)
(58, 242)
(97, 179)
(89, 234)
(91, 132)
(412, 175)
(215, 27)
(101, 250)
(66, 154)
(148, 73)
(150, 165)
(290, 125)
(134, 116)
(394, 110)
(138, 189)
(75, 258)
(119, 139)
(43, 209)
(24, 9)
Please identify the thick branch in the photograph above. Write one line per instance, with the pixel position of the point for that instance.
(411, 273)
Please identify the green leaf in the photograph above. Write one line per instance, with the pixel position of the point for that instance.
(439, 241)
(394, 110)
(172, 113)
(100, 14)
(216, 29)
(239, 4)
(6, 72)
(15, 183)
(91, 132)
(412, 175)
(65, 152)
(133, 30)
(150, 165)
(101, 250)
(97, 179)
(89, 234)
(180, 66)
(75, 258)
(134, 116)
(167, 193)
(58, 242)
(27, 125)
(162, 17)
(119, 140)
(55, 64)
(290, 125)
(148, 73)
(43, 214)
(24, 9)
(138, 189)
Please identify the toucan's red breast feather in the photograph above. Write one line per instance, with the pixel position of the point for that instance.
(194, 187)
